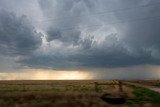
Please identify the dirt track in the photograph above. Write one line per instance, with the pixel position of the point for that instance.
(153, 88)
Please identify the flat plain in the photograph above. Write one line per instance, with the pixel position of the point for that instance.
(73, 93)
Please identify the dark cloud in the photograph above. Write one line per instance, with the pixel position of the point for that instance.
(137, 44)
(53, 34)
(66, 37)
(17, 35)
(91, 56)
(85, 34)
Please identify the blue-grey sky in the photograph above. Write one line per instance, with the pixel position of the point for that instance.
(83, 35)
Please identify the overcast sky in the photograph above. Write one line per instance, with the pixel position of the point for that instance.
(85, 35)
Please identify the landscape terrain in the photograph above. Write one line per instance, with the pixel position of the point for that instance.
(75, 93)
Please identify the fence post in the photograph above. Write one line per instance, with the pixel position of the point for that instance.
(120, 86)
(96, 87)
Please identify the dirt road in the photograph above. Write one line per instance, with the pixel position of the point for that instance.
(156, 89)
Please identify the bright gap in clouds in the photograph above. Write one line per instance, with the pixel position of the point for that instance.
(45, 75)
(135, 72)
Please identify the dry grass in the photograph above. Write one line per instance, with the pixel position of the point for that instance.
(55, 94)
(148, 82)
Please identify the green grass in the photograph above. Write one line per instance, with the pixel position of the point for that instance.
(143, 95)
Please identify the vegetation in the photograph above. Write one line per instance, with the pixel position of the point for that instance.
(143, 95)
(68, 94)
(149, 82)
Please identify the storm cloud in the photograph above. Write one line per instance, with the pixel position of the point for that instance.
(17, 35)
(82, 34)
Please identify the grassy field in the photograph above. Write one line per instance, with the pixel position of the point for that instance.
(70, 94)
(149, 82)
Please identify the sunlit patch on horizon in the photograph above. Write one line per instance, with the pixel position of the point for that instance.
(39, 74)
(135, 72)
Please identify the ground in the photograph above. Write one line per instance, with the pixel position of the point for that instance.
(71, 94)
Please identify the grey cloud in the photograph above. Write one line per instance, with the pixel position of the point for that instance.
(17, 35)
(86, 34)
(64, 36)
(90, 56)
(136, 45)
(53, 34)
(87, 42)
